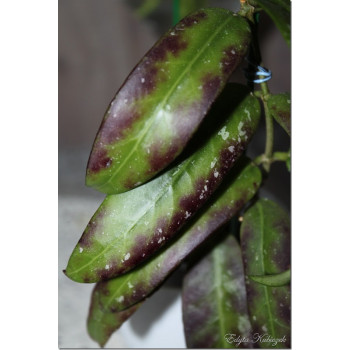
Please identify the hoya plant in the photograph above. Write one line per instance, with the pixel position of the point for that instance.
(170, 155)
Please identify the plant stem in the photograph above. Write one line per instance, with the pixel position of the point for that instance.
(269, 125)
(275, 157)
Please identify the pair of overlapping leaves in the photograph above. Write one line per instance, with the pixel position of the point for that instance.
(152, 226)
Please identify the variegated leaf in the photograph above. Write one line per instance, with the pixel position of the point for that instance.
(165, 98)
(128, 228)
(214, 300)
(121, 292)
(265, 241)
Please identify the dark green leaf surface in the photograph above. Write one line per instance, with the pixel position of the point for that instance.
(129, 227)
(276, 280)
(214, 299)
(123, 291)
(279, 106)
(165, 98)
(265, 242)
(279, 11)
(102, 324)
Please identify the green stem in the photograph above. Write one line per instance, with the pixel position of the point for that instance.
(275, 157)
(269, 125)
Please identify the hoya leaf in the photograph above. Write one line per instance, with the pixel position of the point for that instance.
(279, 11)
(129, 227)
(165, 98)
(214, 303)
(276, 280)
(121, 292)
(265, 242)
(279, 107)
(102, 324)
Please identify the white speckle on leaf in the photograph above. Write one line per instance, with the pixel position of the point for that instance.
(212, 164)
(233, 52)
(142, 80)
(240, 131)
(264, 328)
(107, 267)
(187, 215)
(201, 196)
(248, 113)
(120, 299)
(130, 285)
(224, 134)
(231, 148)
(216, 174)
(143, 254)
(200, 87)
(205, 188)
(81, 250)
(127, 256)
(172, 33)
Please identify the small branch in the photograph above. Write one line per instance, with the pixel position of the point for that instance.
(275, 157)
(269, 125)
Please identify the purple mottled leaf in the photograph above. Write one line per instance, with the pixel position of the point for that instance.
(121, 292)
(165, 98)
(102, 324)
(265, 242)
(129, 227)
(279, 106)
(214, 303)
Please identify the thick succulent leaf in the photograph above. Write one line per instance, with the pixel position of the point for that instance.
(276, 280)
(121, 292)
(129, 227)
(214, 300)
(279, 11)
(279, 107)
(265, 242)
(165, 98)
(102, 324)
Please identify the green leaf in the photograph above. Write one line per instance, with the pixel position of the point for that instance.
(279, 11)
(279, 107)
(165, 98)
(129, 227)
(186, 7)
(121, 292)
(276, 280)
(265, 242)
(147, 7)
(214, 299)
(102, 324)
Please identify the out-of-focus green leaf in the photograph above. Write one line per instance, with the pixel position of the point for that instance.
(147, 7)
(279, 11)
(102, 324)
(121, 292)
(265, 242)
(165, 98)
(276, 280)
(214, 300)
(186, 7)
(128, 228)
(279, 107)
